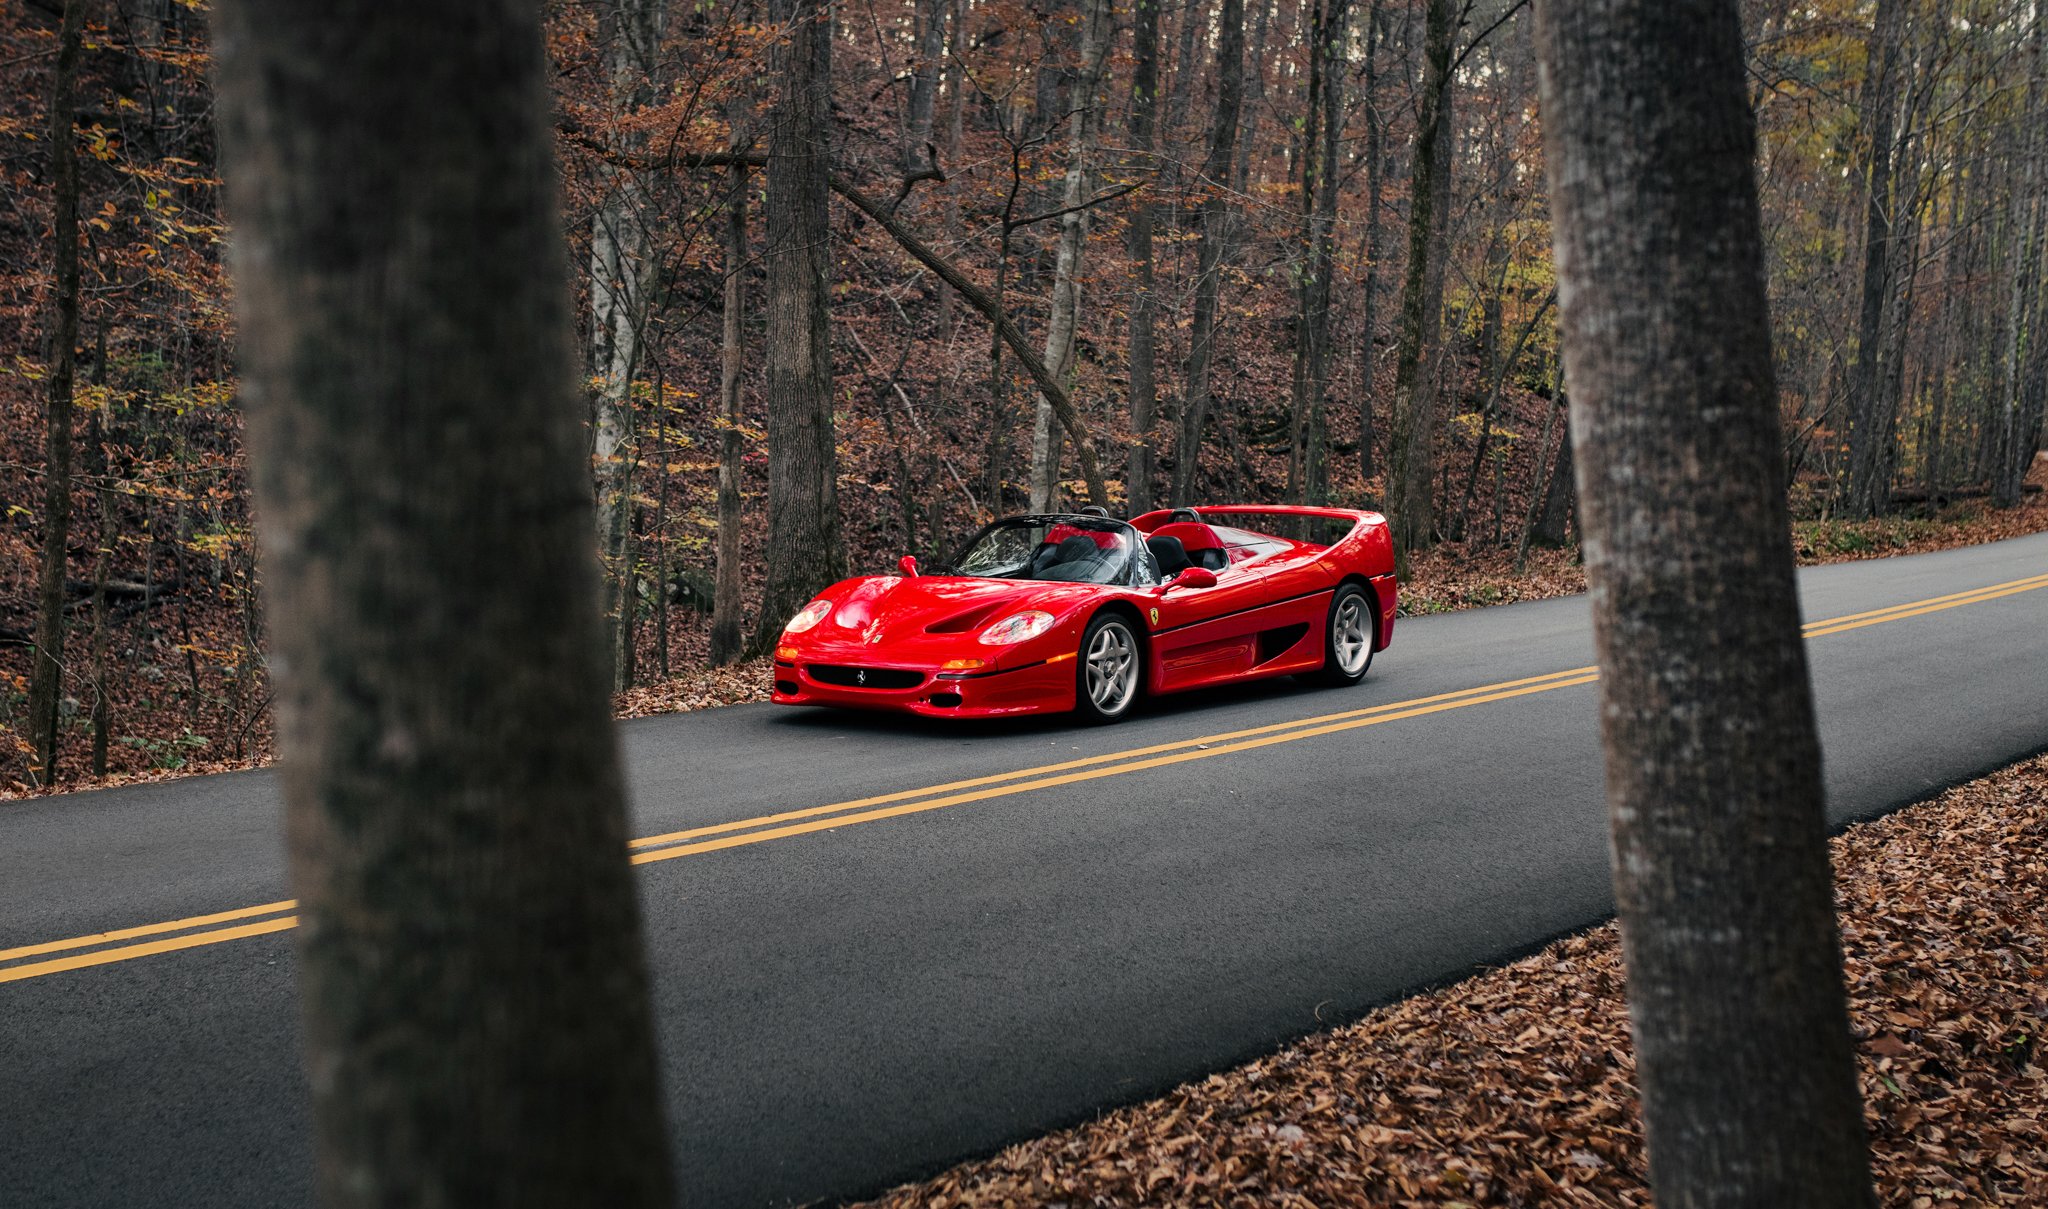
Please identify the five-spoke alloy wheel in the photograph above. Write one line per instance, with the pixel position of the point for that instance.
(1347, 641)
(1111, 667)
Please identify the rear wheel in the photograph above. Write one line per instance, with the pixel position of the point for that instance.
(1111, 666)
(1347, 638)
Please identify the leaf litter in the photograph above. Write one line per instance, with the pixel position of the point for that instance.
(1516, 1087)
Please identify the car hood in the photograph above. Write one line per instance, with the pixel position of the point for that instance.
(886, 609)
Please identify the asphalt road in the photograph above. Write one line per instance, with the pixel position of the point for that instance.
(861, 995)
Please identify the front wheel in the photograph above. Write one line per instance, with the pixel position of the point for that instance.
(1347, 639)
(1110, 668)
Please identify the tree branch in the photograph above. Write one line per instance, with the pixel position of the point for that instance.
(1047, 382)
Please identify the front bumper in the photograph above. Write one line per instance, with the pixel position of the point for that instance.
(1036, 688)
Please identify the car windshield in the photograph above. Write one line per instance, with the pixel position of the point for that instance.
(1065, 549)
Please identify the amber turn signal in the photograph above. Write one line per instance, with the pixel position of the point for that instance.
(963, 665)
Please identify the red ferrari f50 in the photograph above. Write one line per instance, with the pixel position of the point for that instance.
(1077, 611)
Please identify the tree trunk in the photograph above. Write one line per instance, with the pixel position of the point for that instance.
(46, 674)
(1375, 168)
(1410, 452)
(2020, 404)
(918, 162)
(621, 277)
(1870, 432)
(1215, 241)
(103, 490)
(805, 552)
(1553, 523)
(1066, 285)
(476, 1014)
(1329, 38)
(1714, 787)
(1144, 307)
(727, 625)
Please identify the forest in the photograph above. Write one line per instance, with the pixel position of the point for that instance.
(1027, 256)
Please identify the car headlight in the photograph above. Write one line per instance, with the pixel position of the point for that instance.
(1017, 627)
(809, 616)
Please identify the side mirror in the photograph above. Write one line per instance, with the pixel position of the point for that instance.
(907, 564)
(1193, 577)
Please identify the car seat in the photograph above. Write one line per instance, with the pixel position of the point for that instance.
(1171, 556)
(1203, 548)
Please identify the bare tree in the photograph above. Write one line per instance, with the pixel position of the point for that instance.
(622, 265)
(805, 551)
(476, 1010)
(1215, 242)
(1096, 31)
(1870, 422)
(46, 675)
(1144, 306)
(1713, 762)
(1411, 450)
(727, 628)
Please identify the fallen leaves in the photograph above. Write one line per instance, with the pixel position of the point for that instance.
(1516, 1087)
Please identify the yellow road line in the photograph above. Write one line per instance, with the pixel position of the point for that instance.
(812, 819)
(2032, 581)
(1830, 628)
(79, 961)
(1043, 769)
(176, 925)
(755, 837)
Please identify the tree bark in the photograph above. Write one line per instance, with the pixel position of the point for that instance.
(1066, 285)
(621, 277)
(1713, 763)
(1329, 37)
(46, 674)
(1144, 306)
(1215, 242)
(727, 627)
(1553, 523)
(805, 552)
(1870, 431)
(2021, 402)
(1375, 168)
(476, 1016)
(1410, 452)
(918, 162)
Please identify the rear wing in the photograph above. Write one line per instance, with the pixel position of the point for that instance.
(1325, 527)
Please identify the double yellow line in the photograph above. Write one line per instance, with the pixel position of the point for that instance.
(104, 947)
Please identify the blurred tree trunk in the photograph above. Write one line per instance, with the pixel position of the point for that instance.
(727, 626)
(1096, 31)
(46, 674)
(1713, 763)
(1870, 430)
(1215, 241)
(621, 277)
(805, 552)
(476, 1013)
(1410, 451)
(1144, 306)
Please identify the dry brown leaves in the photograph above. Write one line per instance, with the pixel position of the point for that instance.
(732, 685)
(1516, 1087)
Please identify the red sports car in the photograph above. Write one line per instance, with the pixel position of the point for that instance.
(1077, 611)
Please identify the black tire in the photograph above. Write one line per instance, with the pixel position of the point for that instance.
(1348, 634)
(1109, 670)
